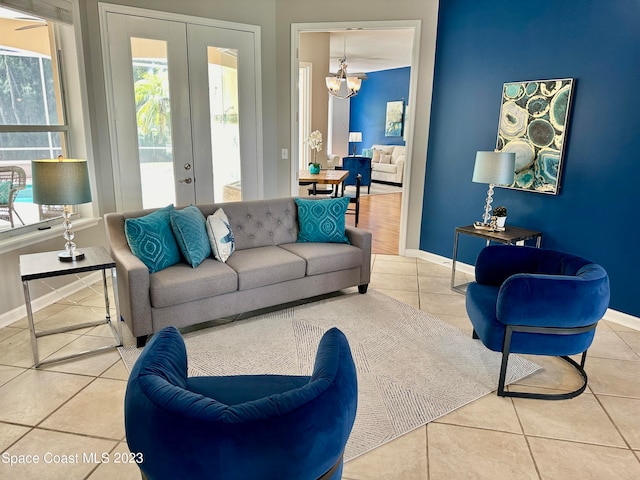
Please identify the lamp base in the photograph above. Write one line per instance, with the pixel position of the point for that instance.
(68, 257)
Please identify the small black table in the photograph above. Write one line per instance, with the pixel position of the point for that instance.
(510, 236)
(45, 265)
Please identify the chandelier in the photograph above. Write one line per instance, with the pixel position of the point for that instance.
(334, 82)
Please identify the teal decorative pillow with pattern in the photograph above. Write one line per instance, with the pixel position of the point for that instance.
(5, 189)
(189, 228)
(151, 239)
(322, 220)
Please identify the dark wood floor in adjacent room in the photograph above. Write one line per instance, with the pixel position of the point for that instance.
(380, 214)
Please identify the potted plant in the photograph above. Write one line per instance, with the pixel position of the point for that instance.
(315, 143)
(500, 213)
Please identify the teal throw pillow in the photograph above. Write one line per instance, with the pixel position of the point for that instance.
(151, 239)
(322, 220)
(5, 188)
(189, 228)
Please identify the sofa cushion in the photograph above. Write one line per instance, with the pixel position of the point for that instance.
(326, 257)
(188, 226)
(385, 167)
(5, 188)
(180, 283)
(379, 150)
(322, 220)
(257, 267)
(385, 158)
(220, 235)
(151, 239)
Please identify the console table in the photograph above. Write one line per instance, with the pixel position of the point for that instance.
(45, 265)
(510, 236)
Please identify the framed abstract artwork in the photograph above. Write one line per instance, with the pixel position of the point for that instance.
(534, 120)
(394, 119)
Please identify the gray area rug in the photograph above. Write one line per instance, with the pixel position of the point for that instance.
(412, 367)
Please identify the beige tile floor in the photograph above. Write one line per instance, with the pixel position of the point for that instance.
(69, 411)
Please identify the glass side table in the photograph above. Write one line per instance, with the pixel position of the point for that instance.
(510, 236)
(45, 265)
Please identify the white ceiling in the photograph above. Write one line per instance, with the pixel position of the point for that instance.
(371, 50)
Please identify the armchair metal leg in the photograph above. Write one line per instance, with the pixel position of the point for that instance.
(506, 348)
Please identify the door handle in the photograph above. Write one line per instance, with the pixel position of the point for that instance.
(186, 180)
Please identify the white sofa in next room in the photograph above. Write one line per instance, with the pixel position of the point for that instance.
(387, 163)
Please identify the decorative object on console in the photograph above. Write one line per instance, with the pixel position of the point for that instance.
(355, 137)
(314, 140)
(394, 119)
(500, 213)
(62, 181)
(314, 168)
(494, 168)
(534, 119)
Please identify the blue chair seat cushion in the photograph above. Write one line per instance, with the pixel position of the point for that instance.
(237, 389)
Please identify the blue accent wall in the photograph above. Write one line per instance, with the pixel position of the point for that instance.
(480, 46)
(368, 108)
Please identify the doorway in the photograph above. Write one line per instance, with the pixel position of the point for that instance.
(344, 30)
(184, 101)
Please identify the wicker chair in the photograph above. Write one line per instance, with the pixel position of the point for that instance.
(18, 179)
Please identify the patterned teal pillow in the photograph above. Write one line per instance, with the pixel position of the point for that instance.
(190, 230)
(322, 220)
(151, 239)
(5, 188)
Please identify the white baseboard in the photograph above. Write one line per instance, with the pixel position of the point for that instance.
(611, 315)
(50, 298)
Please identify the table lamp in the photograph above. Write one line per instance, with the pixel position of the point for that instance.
(62, 181)
(355, 137)
(494, 168)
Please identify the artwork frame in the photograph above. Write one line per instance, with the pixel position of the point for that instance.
(394, 119)
(533, 124)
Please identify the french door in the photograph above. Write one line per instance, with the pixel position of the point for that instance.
(184, 110)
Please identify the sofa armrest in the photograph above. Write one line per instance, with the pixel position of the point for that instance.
(133, 278)
(361, 239)
(400, 170)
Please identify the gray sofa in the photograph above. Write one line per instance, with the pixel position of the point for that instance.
(267, 268)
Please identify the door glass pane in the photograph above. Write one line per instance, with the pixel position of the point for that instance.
(225, 131)
(153, 119)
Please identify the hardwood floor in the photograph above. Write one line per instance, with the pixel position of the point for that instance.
(380, 214)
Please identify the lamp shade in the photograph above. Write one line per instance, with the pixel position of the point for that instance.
(355, 136)
(60, 182)
(497, 168)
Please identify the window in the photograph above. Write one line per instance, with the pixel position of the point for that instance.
(33, 123)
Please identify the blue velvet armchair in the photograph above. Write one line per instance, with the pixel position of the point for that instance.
(239, 427)
(535, 301)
